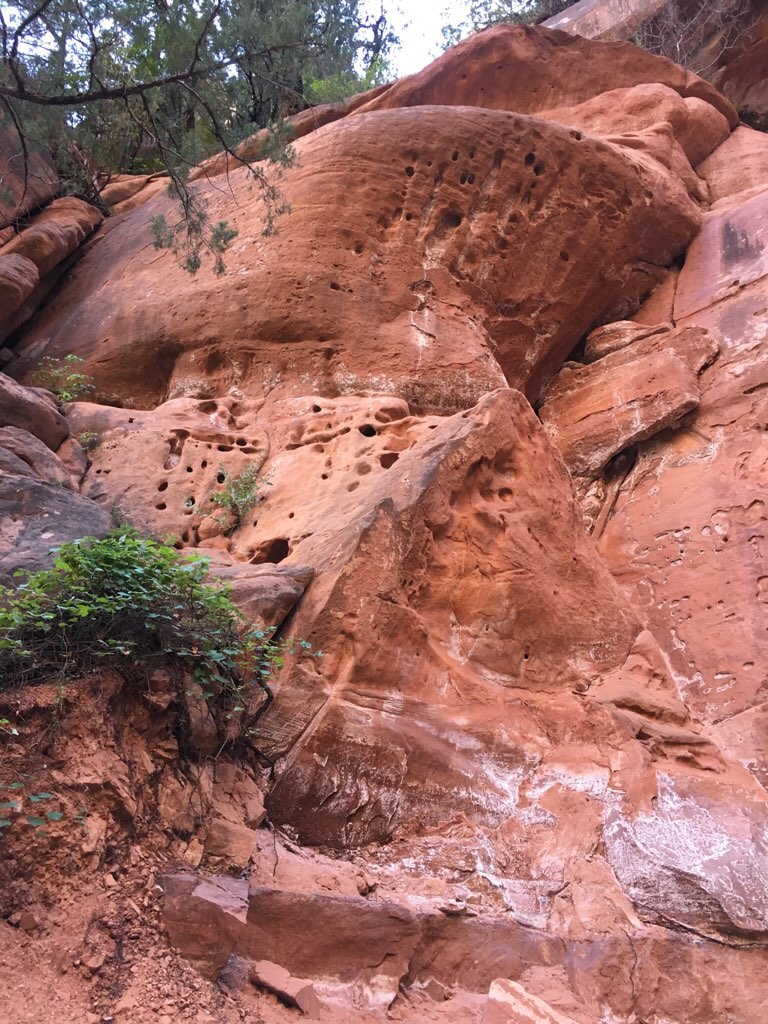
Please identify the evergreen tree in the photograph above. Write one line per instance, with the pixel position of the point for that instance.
(150, 85)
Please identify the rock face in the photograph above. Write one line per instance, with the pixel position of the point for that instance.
(443, 257)
(32, 261)
(729, 41)
(701, 548)
(509, 1003)
(22, 191)
(594, 412)
(509, 473)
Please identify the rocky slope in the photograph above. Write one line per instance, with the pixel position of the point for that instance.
(504, 366)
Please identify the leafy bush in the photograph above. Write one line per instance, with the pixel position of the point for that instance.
(130, 600)
(88, 440)
(62, 377)
(242, 493)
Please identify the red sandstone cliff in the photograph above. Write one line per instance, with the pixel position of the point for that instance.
(505, 363)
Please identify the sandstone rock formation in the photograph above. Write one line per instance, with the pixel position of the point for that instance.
(451, 241)
(729, 47)
(32, 261)
(502, 377)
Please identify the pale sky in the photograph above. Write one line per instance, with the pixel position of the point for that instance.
(418, 23)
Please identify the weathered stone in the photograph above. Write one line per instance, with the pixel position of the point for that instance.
(612, 337)
(179, 803)
(28, 409)
(292, 991)
(54, 233)
(509, 1003)
(236, 797)
(42, 462)
(738, 165)
(464, 310)
(684, 535)
(331, 947)
(561, 70)
(379, 753)
(524, 757)
(204, 918)
(232, 842)
(605, 19)
(36, 517)
(18, 279)
(122, 187)
(730, 252)
(593, 412)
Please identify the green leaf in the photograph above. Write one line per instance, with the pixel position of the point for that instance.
(36, 822)
(54, 815)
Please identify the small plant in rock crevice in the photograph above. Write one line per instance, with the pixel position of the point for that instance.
(241, 493)
(63, 377)
(88, 440)
(131, 602)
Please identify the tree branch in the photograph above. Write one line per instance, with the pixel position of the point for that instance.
(21, 92)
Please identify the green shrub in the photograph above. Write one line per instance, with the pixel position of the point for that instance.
(130, 601)
(242, 493)
(62, 377)
(88, 440)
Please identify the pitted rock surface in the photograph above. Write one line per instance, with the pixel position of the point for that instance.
(502, 376)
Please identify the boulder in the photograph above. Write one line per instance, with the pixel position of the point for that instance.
(32, 410)
(54, 233)
(236, 796)
(231, 842)
(122, 187)
(36, 517)
(296, 992)
(42, 462)
(204, 917)
(739, 165)
(18, 279)
(605, 19)
(530, 69)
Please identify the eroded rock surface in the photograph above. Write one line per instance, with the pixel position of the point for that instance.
(441, 255)
(526, 778)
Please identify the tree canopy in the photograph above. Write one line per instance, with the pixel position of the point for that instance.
(157, 85)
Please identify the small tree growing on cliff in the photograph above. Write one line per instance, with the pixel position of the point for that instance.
(63, 377)
(132, 602)
(128, 86)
